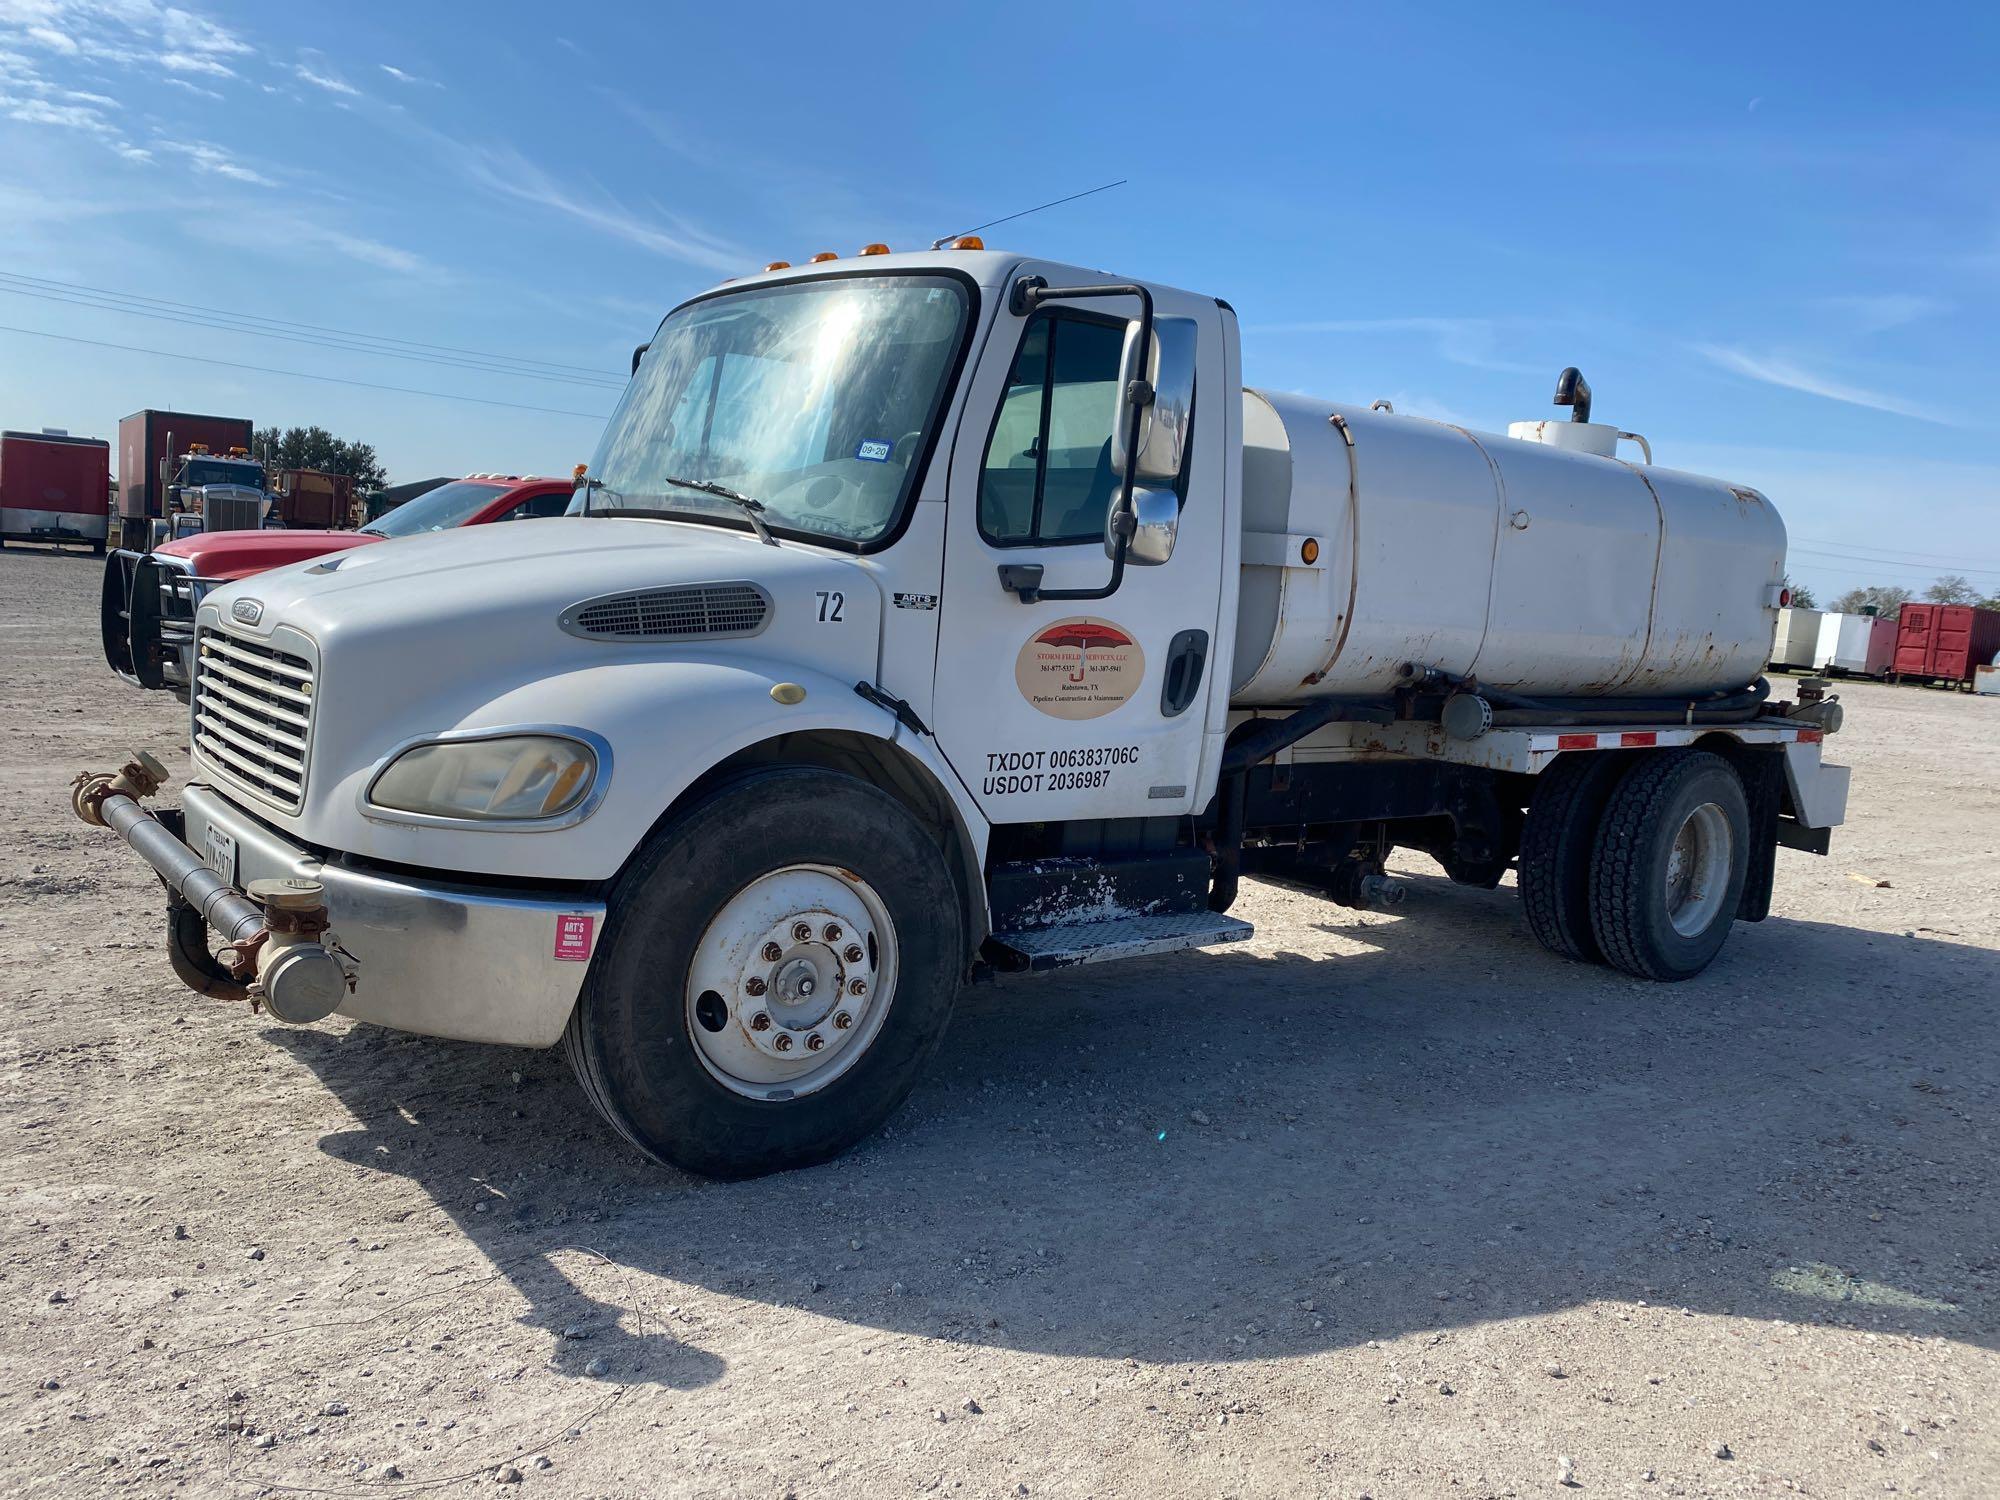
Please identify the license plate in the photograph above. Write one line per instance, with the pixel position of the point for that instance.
(219, 853)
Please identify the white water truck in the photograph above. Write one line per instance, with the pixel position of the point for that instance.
(932, 618)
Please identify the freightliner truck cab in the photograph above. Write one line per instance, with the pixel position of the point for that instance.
(910, 625)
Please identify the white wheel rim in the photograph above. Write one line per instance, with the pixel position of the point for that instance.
(1698, 867)
(791, 981)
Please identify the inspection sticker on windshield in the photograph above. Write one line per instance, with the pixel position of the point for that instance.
(573, 935)
(875, 450)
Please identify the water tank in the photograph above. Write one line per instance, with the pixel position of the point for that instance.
(1532, 565)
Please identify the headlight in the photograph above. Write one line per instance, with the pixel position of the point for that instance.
(521, 776)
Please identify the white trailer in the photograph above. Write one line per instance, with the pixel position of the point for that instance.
(925, 619)
(1855, 645)
(1795, 643)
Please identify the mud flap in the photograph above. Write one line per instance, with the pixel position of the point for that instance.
(1764, 791)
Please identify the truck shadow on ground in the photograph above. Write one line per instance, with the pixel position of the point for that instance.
(1236, 1154)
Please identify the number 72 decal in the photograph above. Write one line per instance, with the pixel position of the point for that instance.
(831, 602)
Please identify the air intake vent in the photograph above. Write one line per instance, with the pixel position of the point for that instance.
(690, 611)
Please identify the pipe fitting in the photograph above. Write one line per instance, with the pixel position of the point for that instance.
(138, 778)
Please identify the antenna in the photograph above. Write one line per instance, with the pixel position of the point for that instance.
(939, 244)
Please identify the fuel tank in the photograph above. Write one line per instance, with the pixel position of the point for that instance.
(1372, 540)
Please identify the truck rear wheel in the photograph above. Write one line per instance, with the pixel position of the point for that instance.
(1558, 838)
(1672, 854)
(777, 966)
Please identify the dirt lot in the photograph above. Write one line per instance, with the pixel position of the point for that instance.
(1385, 1205)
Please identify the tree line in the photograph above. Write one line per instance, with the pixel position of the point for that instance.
(1888, 599)
(316, 448)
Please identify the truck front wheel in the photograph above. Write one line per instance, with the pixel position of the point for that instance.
(1673, 850)
(777, 966)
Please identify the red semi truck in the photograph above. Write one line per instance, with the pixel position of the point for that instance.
(54, 488)
(151, 445)
(1944, 643)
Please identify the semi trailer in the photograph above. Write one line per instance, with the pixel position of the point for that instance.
(154, 453)
(929, 619)
(54, 488)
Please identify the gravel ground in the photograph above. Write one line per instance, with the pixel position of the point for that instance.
(1385, 1205)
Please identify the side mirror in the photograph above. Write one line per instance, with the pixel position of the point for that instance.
(637, 355)
(1156, 518)
(1159, 430)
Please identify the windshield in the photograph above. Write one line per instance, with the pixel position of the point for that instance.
(816, 399)
(440, 509)
(200, 471)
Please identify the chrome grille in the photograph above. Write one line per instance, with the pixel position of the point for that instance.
(696, 609)
(253, 714)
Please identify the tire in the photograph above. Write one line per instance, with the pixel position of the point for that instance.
(1558, 838)
(1658, 911)
(690, 1076)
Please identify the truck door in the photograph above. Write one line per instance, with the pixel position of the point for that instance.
(1066, 709)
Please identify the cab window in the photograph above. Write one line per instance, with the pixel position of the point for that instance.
(1048, 476)
(536, 506)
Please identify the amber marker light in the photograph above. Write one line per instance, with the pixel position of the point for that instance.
(968, 242)
(779, 265)
(875, 249)
(824, 255)
(1309, 550)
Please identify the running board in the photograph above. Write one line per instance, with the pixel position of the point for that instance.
(1128, 937)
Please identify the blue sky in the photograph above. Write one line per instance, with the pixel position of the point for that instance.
(1772, 242)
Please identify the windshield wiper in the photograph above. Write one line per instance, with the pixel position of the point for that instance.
(753, 510)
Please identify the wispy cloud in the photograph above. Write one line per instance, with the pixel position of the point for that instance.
(410, 78)
(134, 33)
(504, 171)
(326, 81)
(144, 36)
(206, 156)
(192, 88)
(1462, 341)
(1781, 371)
(1882, 312)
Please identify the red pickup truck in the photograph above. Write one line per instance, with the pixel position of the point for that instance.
(148, 605)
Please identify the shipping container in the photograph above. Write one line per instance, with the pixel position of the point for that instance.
(147, 439)
(1855, 645)
(1797, 640)
(54, 488)
(1945, 642)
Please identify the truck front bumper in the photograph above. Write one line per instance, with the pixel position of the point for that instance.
(430, 956)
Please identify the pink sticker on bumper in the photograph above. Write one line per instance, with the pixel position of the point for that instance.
(573, 935)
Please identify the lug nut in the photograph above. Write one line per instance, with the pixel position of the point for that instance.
(760, 1022)
(842, 1020)
(814, 1042)
(857, 986)
(831, 932)
(772, 953)
(853, 953)
(801, 931)
(753, 986)
(782, 1042)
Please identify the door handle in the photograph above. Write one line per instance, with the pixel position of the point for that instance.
(1186, 657)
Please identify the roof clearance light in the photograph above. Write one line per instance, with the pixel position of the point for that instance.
(874, 249)
(968, 242)
(779, 265)
(576, 474)
(1309, 550)
(824, 255)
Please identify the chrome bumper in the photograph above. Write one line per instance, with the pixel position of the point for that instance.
(435, 958)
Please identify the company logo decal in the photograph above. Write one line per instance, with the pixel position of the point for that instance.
(1080, 668)
(249, 611)
(573, 932)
